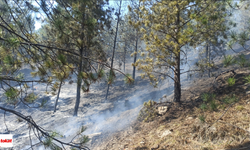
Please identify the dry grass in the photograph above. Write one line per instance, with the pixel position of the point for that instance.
(226, 127)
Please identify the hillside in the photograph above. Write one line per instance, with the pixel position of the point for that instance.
(212, 115)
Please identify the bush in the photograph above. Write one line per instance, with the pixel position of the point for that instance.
(229, 100)
(228, 60)
(203, 106)
(231, 81)
(242, 61)
(213, 105)
(148, 112)
(30, 98)
(202, 118)
(205, 97)
(247, 79)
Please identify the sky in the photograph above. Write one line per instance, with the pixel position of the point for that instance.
(112, 3)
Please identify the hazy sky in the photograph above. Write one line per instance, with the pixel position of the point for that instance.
(112, 3)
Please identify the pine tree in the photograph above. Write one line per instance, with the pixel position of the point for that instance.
(173, 24)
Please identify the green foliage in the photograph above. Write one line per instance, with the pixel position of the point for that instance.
(43, 103)
(8, 60)
(205, 97)
(230, 99)
(247, 79)
(231, 81)
(30, 98)
(13, 42)
(101, 73)
(83, 128)
(84, 139)
(203, 106)
(12, 95)
(148, 112)
(48, 142)
(202, 118)
(128, 79)
(242, 61)
(208, 99)
(213, 105)
(111, 77)
(228, 60)
(62, 59)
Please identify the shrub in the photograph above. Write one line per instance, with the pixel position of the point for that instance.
(148, 112)
(205, 97)
(228, 60)
(247, 79)
(242, 61)
(203, 106)
(229, 100)
(213, 105)
(30, 98)
(202, 118)
(231, 81)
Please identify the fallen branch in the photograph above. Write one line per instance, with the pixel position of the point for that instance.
(40, 129)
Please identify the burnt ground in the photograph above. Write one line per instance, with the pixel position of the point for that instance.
(182, 117)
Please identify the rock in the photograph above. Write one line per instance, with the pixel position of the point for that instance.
(142, 143)
(165, 133)
(162, 110)
(156, 146)
(189, 118)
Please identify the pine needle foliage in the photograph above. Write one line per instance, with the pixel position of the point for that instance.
(169, 25)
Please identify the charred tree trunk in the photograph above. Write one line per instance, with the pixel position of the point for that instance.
(58, 95)
(177, 74)
(208, 57)
(124, 57)
(177, 81)
(112, 59)
(135, 56)
(79, 83)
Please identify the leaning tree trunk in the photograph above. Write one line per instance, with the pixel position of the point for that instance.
(58, 95)
(79, 83)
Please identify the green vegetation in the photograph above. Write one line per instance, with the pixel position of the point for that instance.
(30, 98)
(128, 79)
(242, 61)
(148, 112)
(228, 60)
(203, 106)
(12, 96)
(202, 118)
(231, 81)
(230, 99)
(247, 79)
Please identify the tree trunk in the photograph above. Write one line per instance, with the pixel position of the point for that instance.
(209, 59)
(177, 81)
(136, 43)
(79, 83)
(124, 58)
(177, 74)
(58, 96)
(112, 59)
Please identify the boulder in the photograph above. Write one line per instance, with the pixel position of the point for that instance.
(162, 110)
